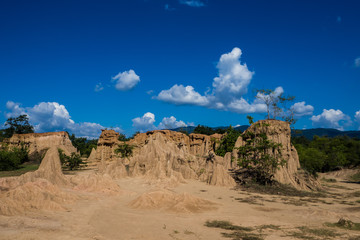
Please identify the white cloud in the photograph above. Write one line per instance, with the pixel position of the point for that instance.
(52, 116)
(357, 62)
(170, 123)
(331, 119)
(146, 123)
(227, 88)
(15, 109)
(98, 87)
(301, 109)
(357, 118)
(233, 78)
(180, 95)
(126, 80)
(192, 3)
(242, 106)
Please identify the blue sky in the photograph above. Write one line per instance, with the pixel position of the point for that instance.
(139, 65)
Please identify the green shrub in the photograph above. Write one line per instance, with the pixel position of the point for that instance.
(228, 142)
(260, 157)
(125, 150)
(10, 159)
(72, 162)
(323, 154)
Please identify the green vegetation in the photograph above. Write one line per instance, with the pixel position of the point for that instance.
(12, 158)
(125, 150)
(123, 138)
(23, 168)
(238, 232)
(228, 142)
(345, 224)
(260, 157)
(72, 162)
(323, 154)
(225, 225)
(18, 125)
(83, 145)
(200, 129)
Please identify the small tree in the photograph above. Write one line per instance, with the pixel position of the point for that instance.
(260, 157)
(71, 162)
(276, 104)
(18, 125)
(125, 150)
(228, 142)
(12, 158)
(250, 119)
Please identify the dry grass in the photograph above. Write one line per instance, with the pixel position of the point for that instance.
(226, 225)
(314, 233)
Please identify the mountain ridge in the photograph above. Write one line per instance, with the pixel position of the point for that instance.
(308, 133)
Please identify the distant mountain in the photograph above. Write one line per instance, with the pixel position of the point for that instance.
(190, 129)
(329, 132)
(308, 133)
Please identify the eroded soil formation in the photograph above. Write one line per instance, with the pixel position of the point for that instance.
(173, 187)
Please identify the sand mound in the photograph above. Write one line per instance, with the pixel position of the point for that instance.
(91, 160)
(172, 202)
(220, 177)
(95, 183)
(50, 169)
(40, 194)
(36, 190)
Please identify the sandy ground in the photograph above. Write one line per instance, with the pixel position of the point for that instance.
(98, 216)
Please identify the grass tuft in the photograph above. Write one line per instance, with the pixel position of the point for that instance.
(226, 225)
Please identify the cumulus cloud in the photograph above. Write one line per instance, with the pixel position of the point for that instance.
(170, 123)
(357, 62)
(331, 119)
(242, 106)
(227, 88)
(146, 123)
(357, 118)
(98, 87)
(52, 116)
(180, 95)
(301, 109)
(233, 78)
(126, 80)
(192, 3)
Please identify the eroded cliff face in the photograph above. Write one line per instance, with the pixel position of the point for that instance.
(278, 132)
(165, 154)
(39, 143)
(173, 157)
(107, 143)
